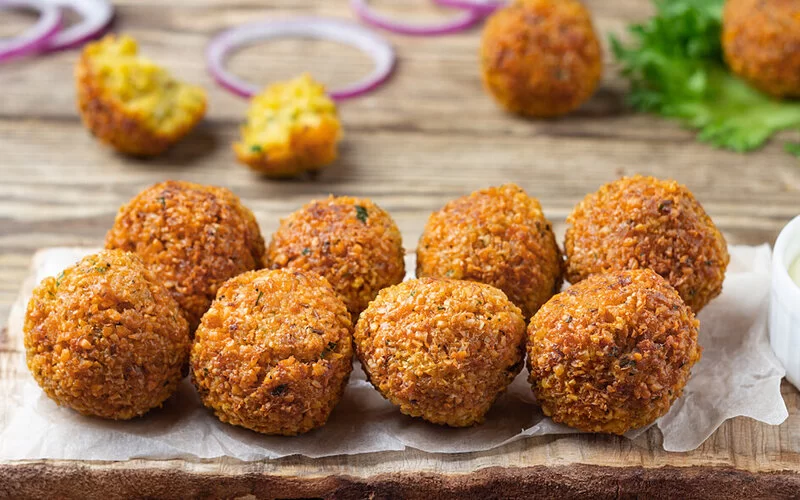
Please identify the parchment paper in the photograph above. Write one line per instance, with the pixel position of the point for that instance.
(738, 375)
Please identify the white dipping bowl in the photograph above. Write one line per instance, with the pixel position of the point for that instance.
(784, 309)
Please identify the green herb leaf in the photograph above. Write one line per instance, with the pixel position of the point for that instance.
(162, 201)
(329, 349)
(255, 148)
(361, 213)
(792, 148)
(279, 389)
(676, 69)
(260, 294)
(306, 251)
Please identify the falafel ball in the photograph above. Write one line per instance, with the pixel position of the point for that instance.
(274, 352)
(761, 43)
(132, 104)
(541, 58)
(105, 338)
(643, 222)
(194, 237)
(292, 127)
(613, 352)
(497, 236)
(441, 349)
(352, 242)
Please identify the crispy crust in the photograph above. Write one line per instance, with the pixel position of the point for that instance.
(274, 352)
(106, 118)
(105, 338)
(761, 42)
(309, 150)
(497, 236)
(613, 352)
(441, 349)
(643, 222)
(541, 58)
(194, 237)
(352, 242)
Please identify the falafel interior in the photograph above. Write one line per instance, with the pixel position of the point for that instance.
(143, 88)
(291, 127)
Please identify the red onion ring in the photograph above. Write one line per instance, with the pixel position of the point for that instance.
(485, 7)
(334, 30)
(37, 36)
(466, 19)
(96, 17)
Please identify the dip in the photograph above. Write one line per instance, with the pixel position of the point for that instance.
(794, 270)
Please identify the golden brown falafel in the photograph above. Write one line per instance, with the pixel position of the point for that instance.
(194, 237)
(497, 236)
(105, 338)
(352, 242)
(541, 58)
(274, 352)
(643, 222)
(292, 127)
(441, 349)
(761, 42)
(130, 103)
(613, 352)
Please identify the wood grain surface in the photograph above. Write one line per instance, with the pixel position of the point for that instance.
(429, 135)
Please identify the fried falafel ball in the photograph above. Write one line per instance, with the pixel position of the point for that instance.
(105, 338)
(441, 349)
(194, 237)
(352, 242)
(497, 236)
(761, 43)
(541, 58)
(292, 127)
(613, 352)
(643, 222)
(132, 104)
(274, 352)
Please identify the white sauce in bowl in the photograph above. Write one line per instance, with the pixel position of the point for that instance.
(794, 270)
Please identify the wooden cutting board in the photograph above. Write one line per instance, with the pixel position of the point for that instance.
(428, 136)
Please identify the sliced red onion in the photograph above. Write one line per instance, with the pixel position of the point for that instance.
(37, 36)
(464, 20)
(96, 17)
(485, 7)
(334, 30)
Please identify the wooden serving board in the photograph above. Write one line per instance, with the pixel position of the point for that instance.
(429, 135)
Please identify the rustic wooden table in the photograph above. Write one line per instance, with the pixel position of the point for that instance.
(429, 135)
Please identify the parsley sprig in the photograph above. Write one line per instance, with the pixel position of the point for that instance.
(676, 69)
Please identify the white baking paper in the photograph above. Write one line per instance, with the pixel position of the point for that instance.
(738, 375)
